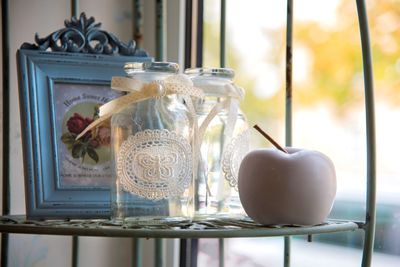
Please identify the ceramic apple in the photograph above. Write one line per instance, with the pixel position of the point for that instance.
(297, 187)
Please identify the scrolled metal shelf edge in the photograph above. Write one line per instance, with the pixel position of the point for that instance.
(78, 36)
(103, 228)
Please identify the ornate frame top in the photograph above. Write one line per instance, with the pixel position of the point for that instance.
(83, 35)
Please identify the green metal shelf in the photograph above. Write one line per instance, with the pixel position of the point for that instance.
(228, 228)
(212, 228)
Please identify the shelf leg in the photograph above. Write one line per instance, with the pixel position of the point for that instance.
(137, 252)
(188, 252)
(4, 249)
(370, 133)
(288, 98)
(159, 252)
(74, 8)
(286, 256)
(183, 254)
(75, 251)
(160, 29)
(221, 251)
(222, 50)
(6, 124)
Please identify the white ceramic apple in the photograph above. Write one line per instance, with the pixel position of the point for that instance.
(287, 188)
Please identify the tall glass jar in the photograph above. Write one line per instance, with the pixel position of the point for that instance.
(152, 152)
(225, 141)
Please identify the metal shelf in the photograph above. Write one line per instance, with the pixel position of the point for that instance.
(211, 228)
(227, 228)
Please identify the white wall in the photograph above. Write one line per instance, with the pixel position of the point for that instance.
(45, 16)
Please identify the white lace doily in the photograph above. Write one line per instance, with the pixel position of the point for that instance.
(155, 164)
(233, 155)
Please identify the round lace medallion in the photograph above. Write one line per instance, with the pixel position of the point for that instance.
(232, 157)
(155, 164)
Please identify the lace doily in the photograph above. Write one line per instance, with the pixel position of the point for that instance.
(155, 164)
(233, 155)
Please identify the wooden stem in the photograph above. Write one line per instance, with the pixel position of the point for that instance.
(270, 139)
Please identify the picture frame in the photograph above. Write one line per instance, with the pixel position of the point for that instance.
(60, 92)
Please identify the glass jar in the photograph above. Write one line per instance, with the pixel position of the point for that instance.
(225, 141)
(152, 152)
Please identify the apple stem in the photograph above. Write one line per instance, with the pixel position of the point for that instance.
(270, 139)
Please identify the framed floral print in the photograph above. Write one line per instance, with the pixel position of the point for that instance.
(60, 94)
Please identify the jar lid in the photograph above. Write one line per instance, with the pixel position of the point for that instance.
(212, 72)
(214, 81)
(140, 67)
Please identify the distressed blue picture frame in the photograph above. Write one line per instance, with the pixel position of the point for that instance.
(39, 71)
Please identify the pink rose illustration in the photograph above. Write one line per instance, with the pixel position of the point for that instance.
(76, 124)
(88, 144)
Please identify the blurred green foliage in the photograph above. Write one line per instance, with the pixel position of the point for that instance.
(335, 74)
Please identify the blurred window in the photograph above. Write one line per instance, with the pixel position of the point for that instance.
(328, 113)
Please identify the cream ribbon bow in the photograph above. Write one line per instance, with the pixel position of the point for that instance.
(138, 91)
